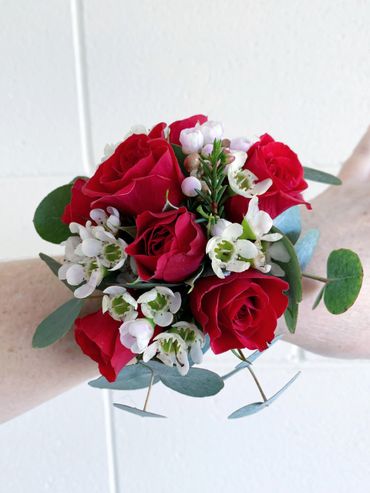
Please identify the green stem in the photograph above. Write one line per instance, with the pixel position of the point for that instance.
(257, 383)
(149, 390)
(315, 278)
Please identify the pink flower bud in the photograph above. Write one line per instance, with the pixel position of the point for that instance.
(190, 186)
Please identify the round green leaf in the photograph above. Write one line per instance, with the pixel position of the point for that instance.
(57, 324)
(345, 274)
(47, 219)
(197, 383)
(131, 377)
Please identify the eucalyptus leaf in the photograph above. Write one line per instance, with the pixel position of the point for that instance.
(138, 412)
(345, 275)
(320, 176)
(57, 324)
(289, 223)
(318, 298)
(258, 406)
(54, 267)
(305, 247)
(197, 383)
(131, 377)
(47, 218)
(293, 276)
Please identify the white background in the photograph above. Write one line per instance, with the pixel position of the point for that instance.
(75, 76)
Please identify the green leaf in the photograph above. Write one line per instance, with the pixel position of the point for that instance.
(57, 324)
(293, 276)
(197, 383)
(305, 247)
(345, 274)
(258, 406)
(318, 298)
(180, 156)
(47, 218)
(138, 412)
(131, 377)
(54, 267)
(289, 223)
(321, 176)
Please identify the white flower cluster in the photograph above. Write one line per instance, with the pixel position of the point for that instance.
(92, 251)
(237, 247)
(243, 181)
(201, 137)
(174, 346)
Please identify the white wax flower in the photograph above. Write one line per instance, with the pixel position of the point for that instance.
(136, 334)
(171, 349)
(119, 303)
(243, 181)
(230, 253)
(212, 131)
(190, 185)
(94, 251)
(193, 338)
(160, 304)
(240, 144)
(191, 140)
(207, 150)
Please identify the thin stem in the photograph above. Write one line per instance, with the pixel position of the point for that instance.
(315, 278)
(148, 393)
(257, 383)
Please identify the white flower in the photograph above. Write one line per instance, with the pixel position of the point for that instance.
(171, 349)
(211, 131)
(240, 144)
(160, 304)
(218, 228)
(190, 186)
(95, 250)
(243, 181)
(230, 253)
(137, 130)
(136, 334)
(193, 337)
(119, 303)
(191, 140)
(257, 226)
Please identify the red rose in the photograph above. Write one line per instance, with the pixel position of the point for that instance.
(270, 159)
(169, 246)
(78, 210)
(98, 336)
(240, 311)
(137, 177)
(176, 127)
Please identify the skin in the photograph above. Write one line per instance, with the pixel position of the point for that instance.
(29, 292)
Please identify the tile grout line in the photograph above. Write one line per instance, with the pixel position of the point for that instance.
(88, 164)
(82, 85)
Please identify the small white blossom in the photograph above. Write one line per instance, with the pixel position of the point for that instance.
(230, 253)
(190, 186)
(136, 334)
(109, 151)
(160, 304)
(243, 181)
(137, 130)
(119, 303)
(211, 131)
(171, 349)
(240, 144)
(191, 140)
(95, 250)
(193, 337)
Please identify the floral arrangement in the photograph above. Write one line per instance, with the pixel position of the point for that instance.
(187, 240)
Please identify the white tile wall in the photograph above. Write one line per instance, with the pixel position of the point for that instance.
(75, 76)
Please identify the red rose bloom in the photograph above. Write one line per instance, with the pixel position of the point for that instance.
(78, 210)
(240, 311)
(137, 177)
(270, 159)
(169, 246)
(98, 336)
(176, 127)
